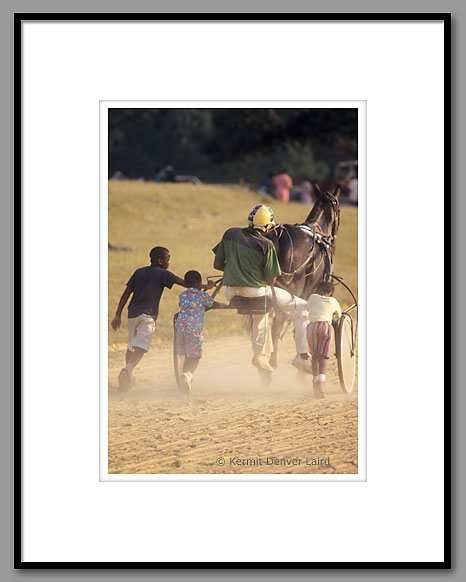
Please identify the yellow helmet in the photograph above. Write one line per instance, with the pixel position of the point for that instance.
(261, 217)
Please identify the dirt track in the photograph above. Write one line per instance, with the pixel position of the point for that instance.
(230, 415)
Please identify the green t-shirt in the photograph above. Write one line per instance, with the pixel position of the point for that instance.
(249, 258)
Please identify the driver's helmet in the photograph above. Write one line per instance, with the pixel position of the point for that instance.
(261, 217)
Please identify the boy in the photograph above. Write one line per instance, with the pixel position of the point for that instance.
(321, 306)
(193, 303)
(147, 285)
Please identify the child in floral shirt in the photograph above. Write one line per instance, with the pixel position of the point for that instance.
(188, 328)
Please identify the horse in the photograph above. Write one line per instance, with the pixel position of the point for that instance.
(305, 252)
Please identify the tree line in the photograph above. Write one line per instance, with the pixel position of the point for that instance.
(231, 145)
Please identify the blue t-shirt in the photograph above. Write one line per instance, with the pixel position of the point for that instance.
(147, 285)
(193, 303)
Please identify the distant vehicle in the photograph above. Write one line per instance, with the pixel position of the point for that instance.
(345, 174)
(191, 179)
(346, 170)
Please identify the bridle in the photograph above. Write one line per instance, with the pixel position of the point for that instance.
(315, 231)
(333, 200)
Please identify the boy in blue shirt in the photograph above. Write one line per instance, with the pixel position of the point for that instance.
(190, 321)
(147, 285)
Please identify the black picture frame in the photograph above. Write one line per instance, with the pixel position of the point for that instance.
(19, 18)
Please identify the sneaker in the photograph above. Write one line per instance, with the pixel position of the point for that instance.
(302, 364)
(262, 363)
(185, 382)
(124, 380)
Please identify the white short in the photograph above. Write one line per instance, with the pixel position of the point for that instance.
(140, 332)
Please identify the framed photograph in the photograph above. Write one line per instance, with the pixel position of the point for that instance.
(227, 321)
(228, 406)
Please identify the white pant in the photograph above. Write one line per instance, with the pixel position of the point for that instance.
(290, 307)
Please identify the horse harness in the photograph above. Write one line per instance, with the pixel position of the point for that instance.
(314, 231)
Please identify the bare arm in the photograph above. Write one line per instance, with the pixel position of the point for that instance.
(337, 310)
(116, 321)
(180, 281)
(271, 282)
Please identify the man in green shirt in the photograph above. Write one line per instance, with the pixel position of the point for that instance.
(250, 267)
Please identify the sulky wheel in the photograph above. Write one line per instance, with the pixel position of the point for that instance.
(176, 358)
(346, 356)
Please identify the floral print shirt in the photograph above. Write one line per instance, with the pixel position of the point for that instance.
(193, 303)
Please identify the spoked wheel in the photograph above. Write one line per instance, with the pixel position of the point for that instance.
(346, 356)
(176, 358)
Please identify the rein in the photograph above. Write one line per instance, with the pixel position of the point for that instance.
(304, 264)
(314, 270)
(326, 239)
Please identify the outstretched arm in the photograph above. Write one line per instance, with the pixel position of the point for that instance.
(116, 321)
(180, 281)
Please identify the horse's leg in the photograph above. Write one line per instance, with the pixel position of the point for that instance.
(277, 327)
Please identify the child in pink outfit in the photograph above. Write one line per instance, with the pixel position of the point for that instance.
(322, 307)
(283, 183)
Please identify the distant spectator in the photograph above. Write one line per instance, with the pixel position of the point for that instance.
(307, 192)
(283, 183)
(263, 186)
(271, 190)
(159, 175)
(169, 174)
(118, 175)
(267, 185)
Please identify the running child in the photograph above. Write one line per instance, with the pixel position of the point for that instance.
(188, 328)
(147, 285)
(321, 307)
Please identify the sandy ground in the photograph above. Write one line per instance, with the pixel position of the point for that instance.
(231, 423)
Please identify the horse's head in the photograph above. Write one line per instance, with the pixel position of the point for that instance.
(326, 211)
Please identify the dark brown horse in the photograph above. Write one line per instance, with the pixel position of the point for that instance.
(305, 252)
